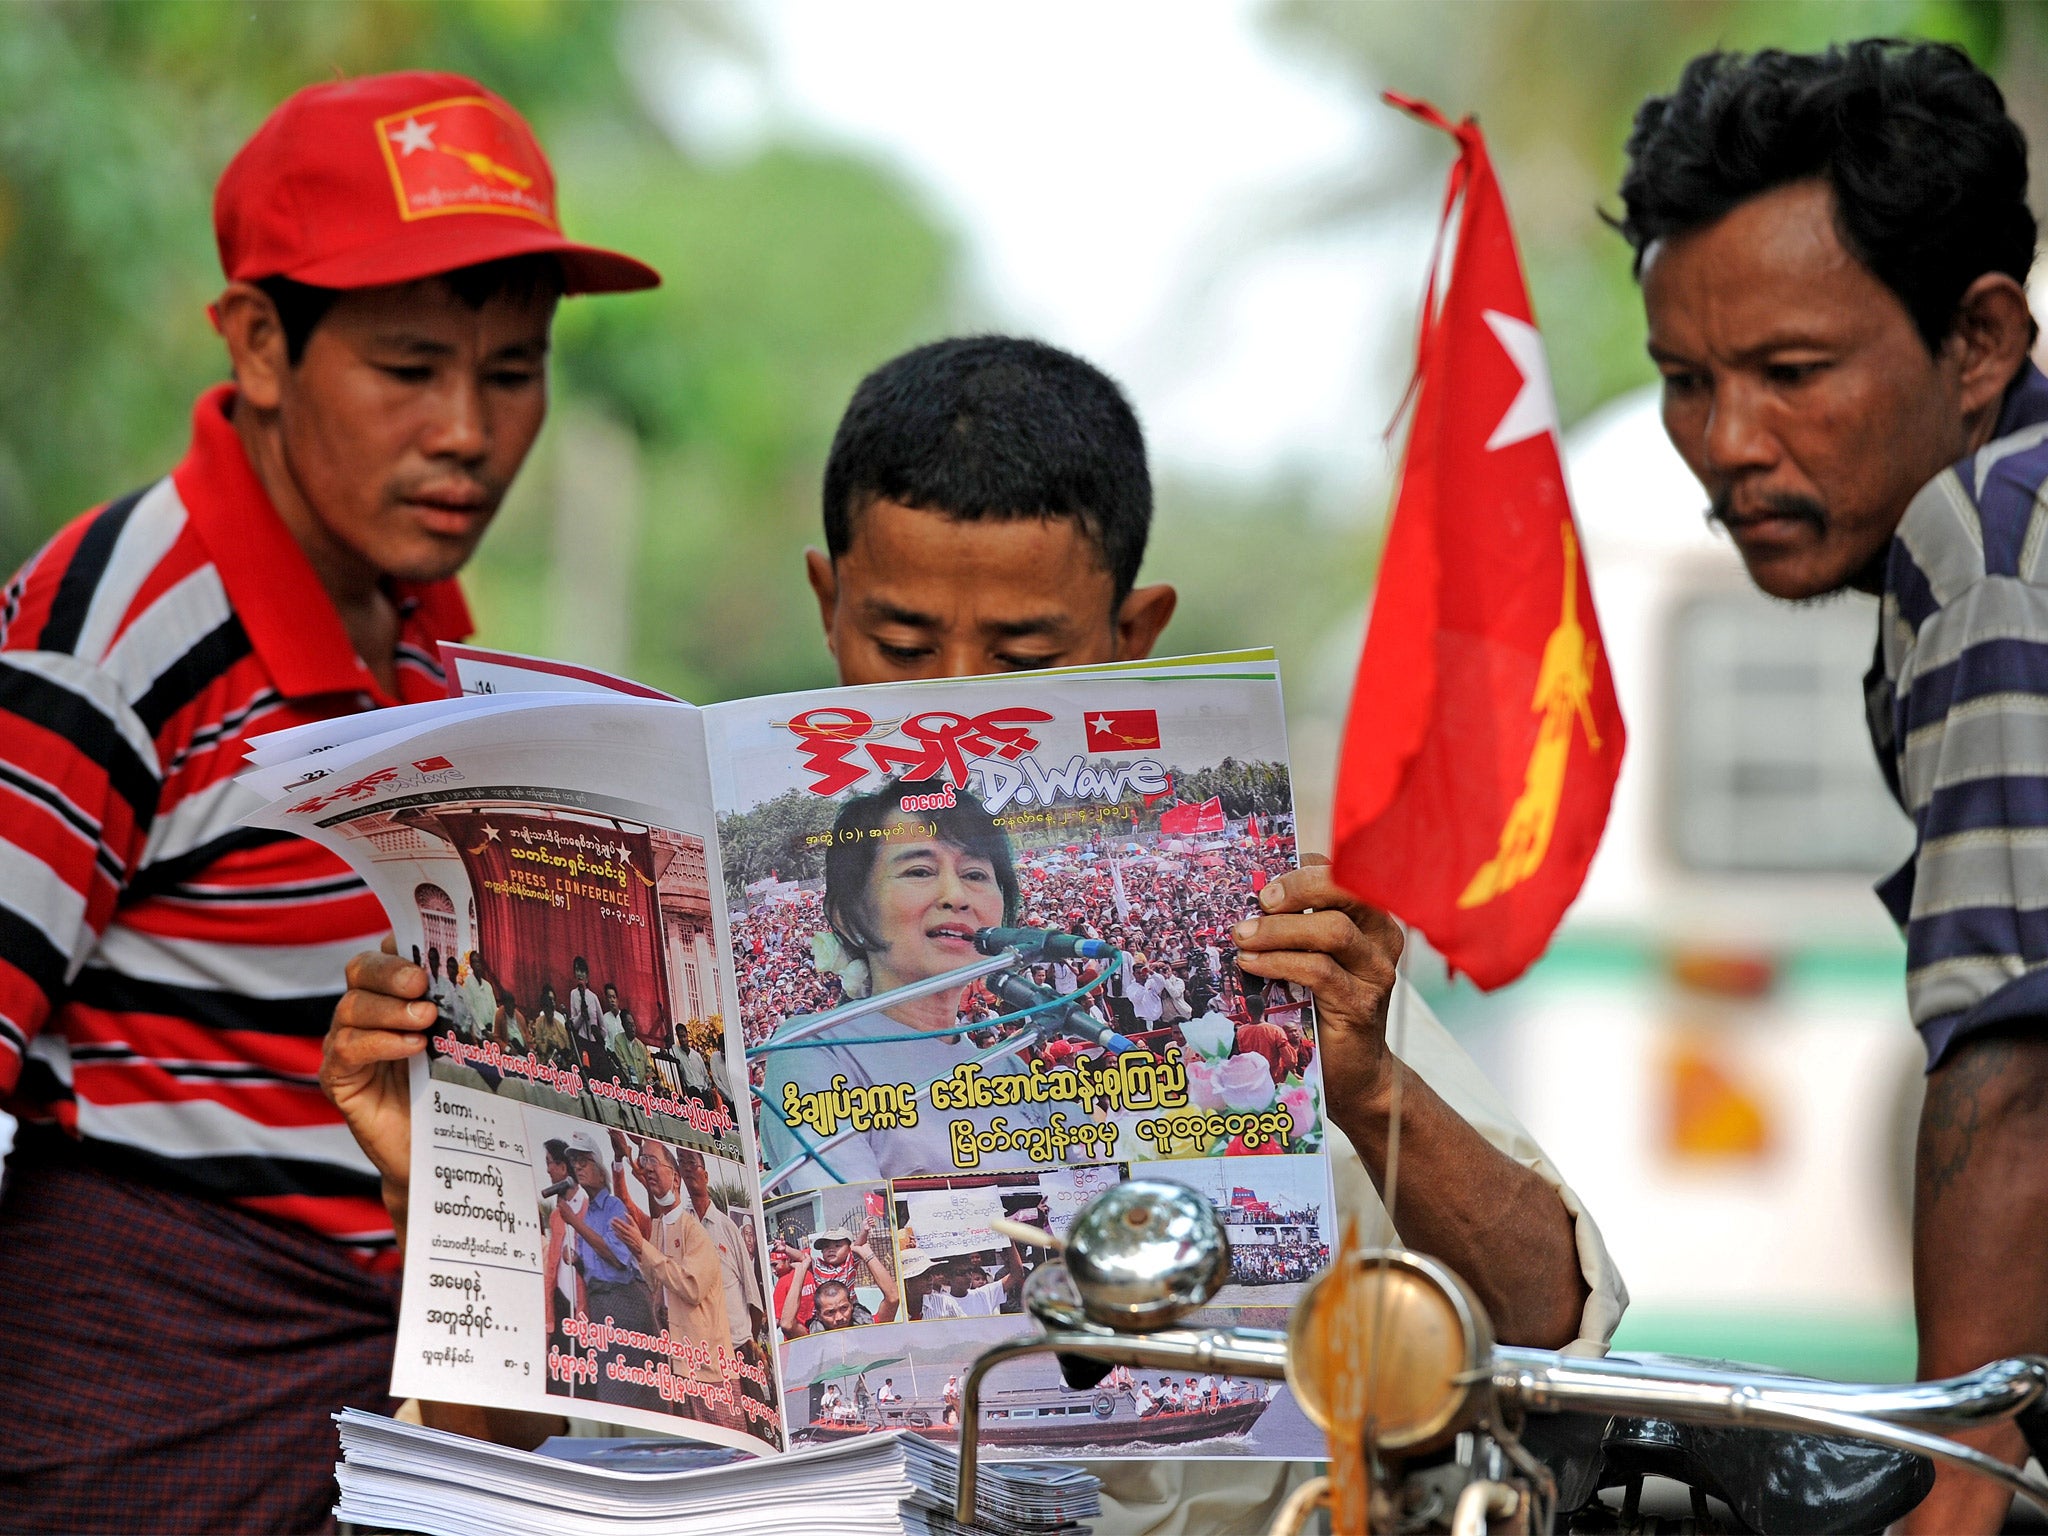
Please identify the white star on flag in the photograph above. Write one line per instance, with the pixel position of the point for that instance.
(1101, 725)
(412, 135)
(1534, 409)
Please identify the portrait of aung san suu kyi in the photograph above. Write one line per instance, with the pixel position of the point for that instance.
(905, 893)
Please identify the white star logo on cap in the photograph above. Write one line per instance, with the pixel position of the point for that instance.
(412, 135)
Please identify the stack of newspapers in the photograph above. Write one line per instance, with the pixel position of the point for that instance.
(400, 1476)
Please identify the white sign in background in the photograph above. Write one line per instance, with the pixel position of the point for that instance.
(953, 1221)
(1066, 1190)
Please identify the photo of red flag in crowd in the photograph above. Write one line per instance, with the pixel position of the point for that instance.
(1193, 819)
(1484, 737)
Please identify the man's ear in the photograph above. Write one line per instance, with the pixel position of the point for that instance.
(825, 587)
(248, 323)
(1993, 331)
(1140, 619)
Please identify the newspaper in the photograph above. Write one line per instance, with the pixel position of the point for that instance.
(763, 1024)
(410, 1478)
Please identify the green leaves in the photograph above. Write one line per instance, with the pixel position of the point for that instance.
(788, 276)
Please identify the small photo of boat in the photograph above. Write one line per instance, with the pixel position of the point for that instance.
(855, 1383)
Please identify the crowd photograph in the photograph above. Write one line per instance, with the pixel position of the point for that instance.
(1277, 1214)
(1167, 903)
(872, 926)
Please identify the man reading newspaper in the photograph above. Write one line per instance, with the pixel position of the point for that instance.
(986, 509)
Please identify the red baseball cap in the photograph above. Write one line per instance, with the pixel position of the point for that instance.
(391, 178)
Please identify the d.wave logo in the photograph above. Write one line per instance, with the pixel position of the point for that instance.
(999, 785)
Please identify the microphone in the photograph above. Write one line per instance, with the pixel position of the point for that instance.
(1018, 993)
(1041, 944)
(559, 1188)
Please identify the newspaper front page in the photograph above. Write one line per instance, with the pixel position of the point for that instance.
(762, 1028)
(868, 836)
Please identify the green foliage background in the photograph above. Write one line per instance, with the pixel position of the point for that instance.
(790, 272)
(788, 275)
(775, 838)
(1555, 84)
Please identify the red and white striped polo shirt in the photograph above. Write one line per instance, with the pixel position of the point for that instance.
(166, 975)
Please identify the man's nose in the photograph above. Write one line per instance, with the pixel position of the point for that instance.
(1738, 433)
(461, 428)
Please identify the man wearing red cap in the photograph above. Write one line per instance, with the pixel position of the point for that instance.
(194, 1256)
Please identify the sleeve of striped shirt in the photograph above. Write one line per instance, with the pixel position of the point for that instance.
(1974, 767)
(78, 790)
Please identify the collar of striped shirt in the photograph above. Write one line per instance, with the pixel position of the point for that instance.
(290, 620)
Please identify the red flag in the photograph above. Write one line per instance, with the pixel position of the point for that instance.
(1484, 736)
(1122, 730)
(1193, 820)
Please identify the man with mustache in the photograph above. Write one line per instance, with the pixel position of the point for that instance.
(1833, 250)
(393, 262)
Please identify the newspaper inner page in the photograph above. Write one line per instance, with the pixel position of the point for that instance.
(585, 1229)
(923, 1079)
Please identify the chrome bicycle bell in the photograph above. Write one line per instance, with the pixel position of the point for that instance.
(1145, 1254)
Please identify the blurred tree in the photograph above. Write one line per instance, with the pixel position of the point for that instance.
(1260, 565)
(786, 278)
(1245, 789)
(115, 121)
(788, 275)
(1555, 83)
(780, 837)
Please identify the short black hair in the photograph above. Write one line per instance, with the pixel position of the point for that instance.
(966, 825)
(995, 427)
(301, 306)
(1928, 170)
